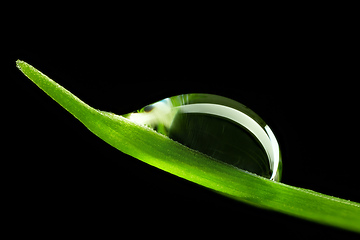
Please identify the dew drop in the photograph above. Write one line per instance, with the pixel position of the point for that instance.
(218, 127)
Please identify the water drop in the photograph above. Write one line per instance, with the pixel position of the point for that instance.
(218, 127)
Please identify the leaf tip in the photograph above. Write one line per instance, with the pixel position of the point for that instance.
(19, 64)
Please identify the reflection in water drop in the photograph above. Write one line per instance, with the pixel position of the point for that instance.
(218, 127)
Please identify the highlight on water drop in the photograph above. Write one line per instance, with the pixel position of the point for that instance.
(219, 127)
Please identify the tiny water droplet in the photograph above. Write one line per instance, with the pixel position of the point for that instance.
(218, 127)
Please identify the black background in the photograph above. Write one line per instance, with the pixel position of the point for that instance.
(297, 76)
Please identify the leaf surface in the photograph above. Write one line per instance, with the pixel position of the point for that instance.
(162, 152)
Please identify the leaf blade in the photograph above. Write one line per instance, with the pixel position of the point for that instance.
(160, 151)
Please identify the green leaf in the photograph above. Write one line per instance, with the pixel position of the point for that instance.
(168, 155)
